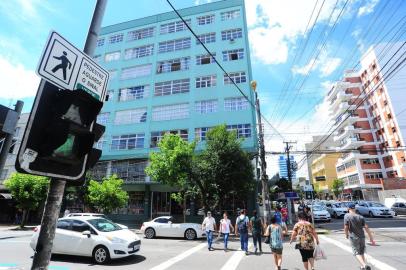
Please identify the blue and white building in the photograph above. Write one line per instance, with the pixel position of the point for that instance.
(283, 167)
(162, 80)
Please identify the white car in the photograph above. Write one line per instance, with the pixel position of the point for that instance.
(320, 213)
(165, 227)
(91, 237)
(373, 209)
(337, 210)
(94, 215)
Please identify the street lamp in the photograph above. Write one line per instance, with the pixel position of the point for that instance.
(264, 177)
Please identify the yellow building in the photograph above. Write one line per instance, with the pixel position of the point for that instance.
(324, 166)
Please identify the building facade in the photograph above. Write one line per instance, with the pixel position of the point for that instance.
(370, 135)
(324, 165)
(163, 81)
(283, 167)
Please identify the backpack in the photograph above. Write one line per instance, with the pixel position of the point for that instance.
(242, 225)
(257, 224)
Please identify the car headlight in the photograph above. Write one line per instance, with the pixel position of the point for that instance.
(116, 240)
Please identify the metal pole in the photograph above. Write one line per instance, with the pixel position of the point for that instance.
(18, 107)
(264, 177)
(42, 254)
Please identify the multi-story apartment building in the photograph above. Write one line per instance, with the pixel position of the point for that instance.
(365, 107)
(324, 167)
(283, 167)
(163, 81)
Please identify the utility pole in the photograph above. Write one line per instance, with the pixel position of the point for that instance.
(8, 139)
(43, 249)
(291, 209)
(264, 177)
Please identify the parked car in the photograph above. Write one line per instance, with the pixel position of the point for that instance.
(91, 236)
(399, 208)
(337, 210)
(373, 209)
(94, 215)
(320, 213)
(166, 227)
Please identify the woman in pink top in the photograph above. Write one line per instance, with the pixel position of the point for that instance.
(225, 225)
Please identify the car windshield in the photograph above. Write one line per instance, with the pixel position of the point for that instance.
(104, 225)
(339, 205)
(318, 208)
(376, 205)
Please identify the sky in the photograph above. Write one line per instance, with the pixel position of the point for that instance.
(298, 49)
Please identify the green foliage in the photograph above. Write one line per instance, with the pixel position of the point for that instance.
(107, 195)
(28, 190)
(338, 186)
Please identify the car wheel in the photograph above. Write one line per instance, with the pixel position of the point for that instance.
(190, 234)
(101, 255)
(149, 233)
(334, 215)
(371, 214)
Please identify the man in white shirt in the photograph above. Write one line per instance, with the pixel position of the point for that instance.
(209, 225)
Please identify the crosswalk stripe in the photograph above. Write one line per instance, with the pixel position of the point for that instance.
(235, 260)
(172, 261)
(378, 264)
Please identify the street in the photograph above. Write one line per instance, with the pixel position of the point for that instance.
(179, 254)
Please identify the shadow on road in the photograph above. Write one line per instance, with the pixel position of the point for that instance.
(133, 259)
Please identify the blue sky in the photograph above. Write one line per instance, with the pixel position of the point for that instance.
(287, 88)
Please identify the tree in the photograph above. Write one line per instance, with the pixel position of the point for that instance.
(107, 195)
(337, 187)
(218, 173)
(28, 191)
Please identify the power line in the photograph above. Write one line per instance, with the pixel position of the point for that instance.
(221, 67)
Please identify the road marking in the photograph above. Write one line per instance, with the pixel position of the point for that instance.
(235, 260)
(172, 261)
(378, 264)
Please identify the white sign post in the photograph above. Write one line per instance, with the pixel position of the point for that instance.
(68, 67)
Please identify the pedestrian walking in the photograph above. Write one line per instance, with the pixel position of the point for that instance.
(274, 231)
(209, 225)
(241, 228)
(279, 219)
(225, 225)
(307, 236)
(285, 217)
(308, 214)
(354, 226)
(256, 225)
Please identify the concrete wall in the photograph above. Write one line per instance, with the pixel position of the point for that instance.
(389, 194)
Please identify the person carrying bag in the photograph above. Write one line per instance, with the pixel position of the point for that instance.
(274, 236)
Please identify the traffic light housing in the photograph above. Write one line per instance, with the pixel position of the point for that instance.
(60, 134)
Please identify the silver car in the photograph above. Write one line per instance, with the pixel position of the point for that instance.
(399, 208)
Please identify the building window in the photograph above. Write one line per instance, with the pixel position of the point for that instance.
(373, 175)
(113, 74)
(200, 133)
(100, 42)
(103, 118)
(133, 116)
(243, 130)
(353, 179)
(232, 55)
(173, 27)
(172, 87)
(208, 19)
(370, 161)
(132, 93)
(109, 95)
(136, 72)
(173, 65)
(174, 45)
(140, 34)
(231, 34)
(128, 142)
(139, 52)
(157, 136)
(235, 104)
(206, 38)
(131, 171)
(116, 38)
(205, 59)
(97, 58)
(113, 56)
(101, 143)
(206, 106)
(230, 15)
(238, 77)
(170, 112)
(206, 81)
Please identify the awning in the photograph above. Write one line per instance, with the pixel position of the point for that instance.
(5, 196)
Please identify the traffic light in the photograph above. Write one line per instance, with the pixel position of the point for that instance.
(60, 134)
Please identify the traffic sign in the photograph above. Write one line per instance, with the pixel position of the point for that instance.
(66, 66)
(291, 195)
(307, 188)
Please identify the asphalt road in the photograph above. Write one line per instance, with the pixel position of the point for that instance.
(179, 254)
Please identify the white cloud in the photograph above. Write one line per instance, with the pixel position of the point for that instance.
(329, 66)
(367, 8)
(16, 80)
(274, 26)
(325, 64)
